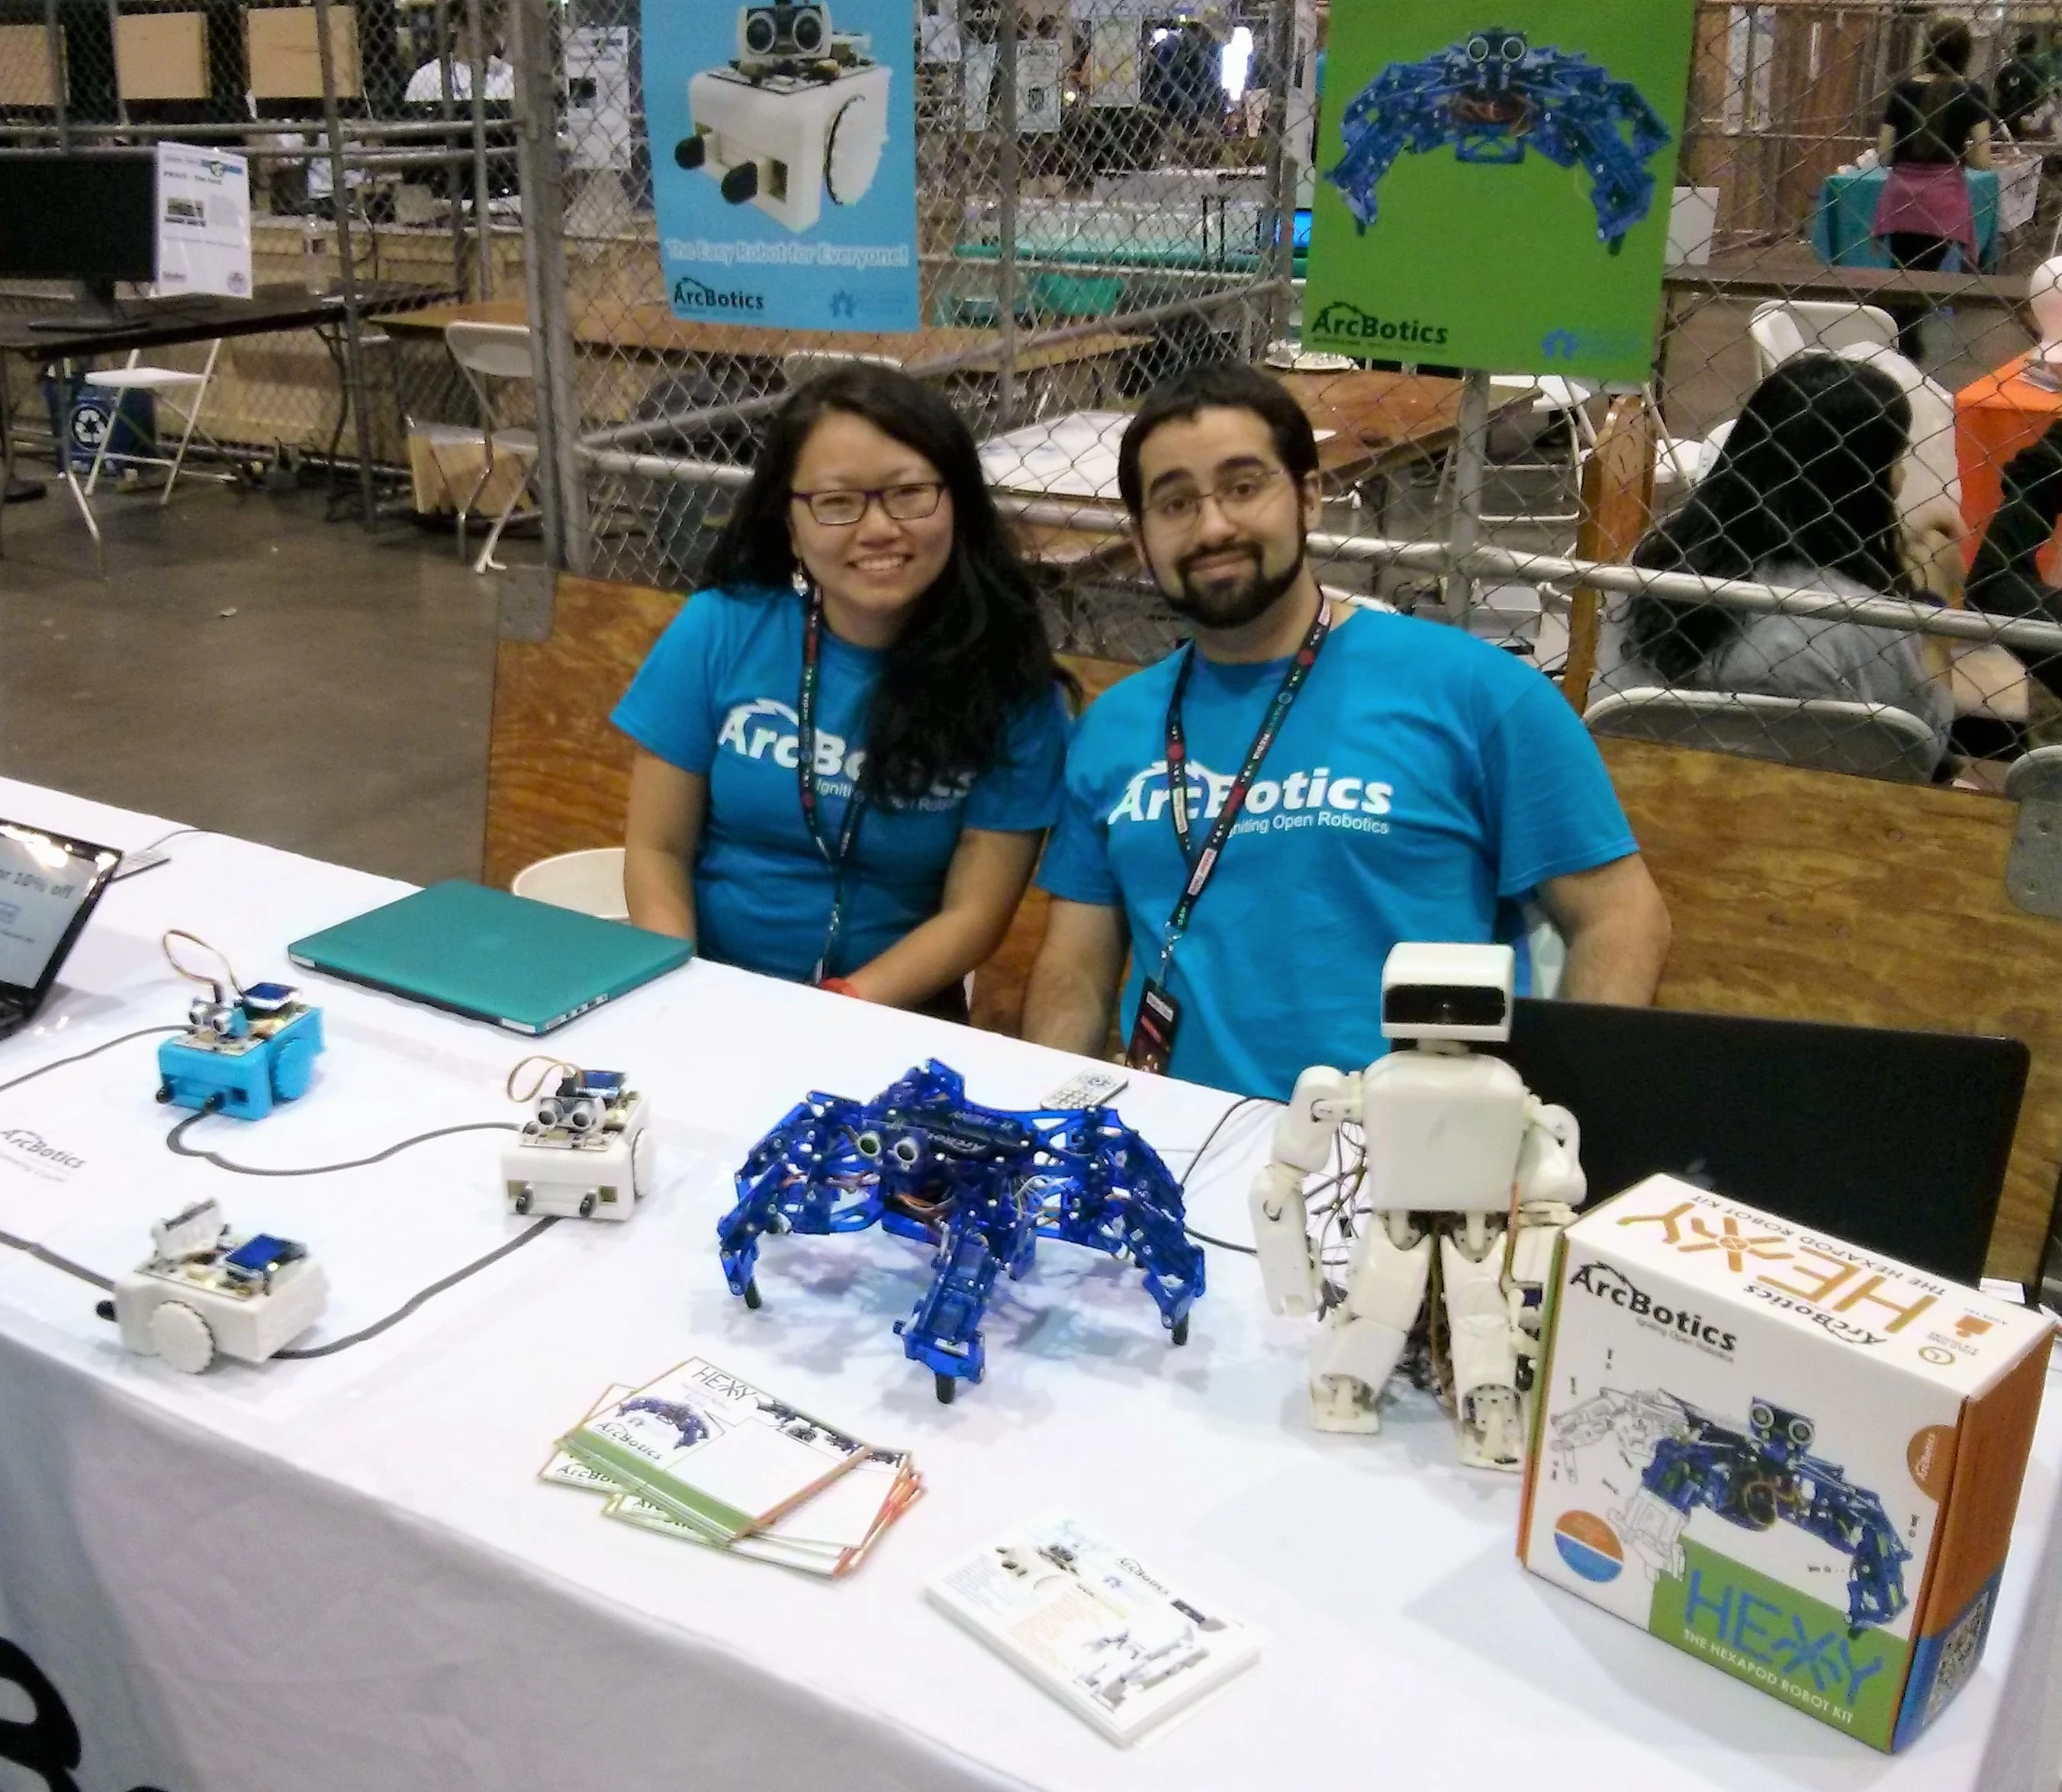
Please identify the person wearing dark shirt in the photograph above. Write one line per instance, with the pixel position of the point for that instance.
(2006, 578)
(1933, 128)
(2022, 85)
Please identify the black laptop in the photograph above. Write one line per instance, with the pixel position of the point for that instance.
(48, 886)
(1893, 1140)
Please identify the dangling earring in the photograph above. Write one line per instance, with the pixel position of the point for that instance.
(800, 581)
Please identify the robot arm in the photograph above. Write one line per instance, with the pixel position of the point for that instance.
(1324, 1099)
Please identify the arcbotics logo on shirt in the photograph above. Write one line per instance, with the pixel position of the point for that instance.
(1314, 798)
(767, 728)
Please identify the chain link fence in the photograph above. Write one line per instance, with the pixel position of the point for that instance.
(403, 107)
(1111, 192)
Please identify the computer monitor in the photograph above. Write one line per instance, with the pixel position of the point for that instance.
(49, 884)
(91, 219)
(1896, 1141)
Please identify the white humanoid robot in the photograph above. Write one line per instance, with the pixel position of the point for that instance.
(801, 111)
(1460, 1154)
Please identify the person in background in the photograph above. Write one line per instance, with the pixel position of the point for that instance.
(850, 741)
(2006, 578)
(2022, 88)
(1340, 779)
(1803, 493)
(1933, 128)
(426, 86)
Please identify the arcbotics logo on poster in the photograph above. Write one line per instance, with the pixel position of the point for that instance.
(690, 294)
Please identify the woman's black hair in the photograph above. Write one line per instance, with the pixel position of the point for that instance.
(974, 650)
(1805, 478)
(1949, 45)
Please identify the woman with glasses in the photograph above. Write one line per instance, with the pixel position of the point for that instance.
(850, 741)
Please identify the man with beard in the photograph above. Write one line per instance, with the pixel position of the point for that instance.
(1341, 779)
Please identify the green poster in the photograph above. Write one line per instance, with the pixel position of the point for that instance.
(1493, 183)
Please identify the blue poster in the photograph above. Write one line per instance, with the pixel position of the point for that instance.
(783, 160)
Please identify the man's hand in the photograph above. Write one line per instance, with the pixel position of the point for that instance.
(1074, 984)
(1617, 929)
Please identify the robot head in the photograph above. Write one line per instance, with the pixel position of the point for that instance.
(783, 28)
(1496, 55)
(1785, 1433)
(1448, 992)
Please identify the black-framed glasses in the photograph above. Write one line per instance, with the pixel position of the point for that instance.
(910, 502)
(1238, 496)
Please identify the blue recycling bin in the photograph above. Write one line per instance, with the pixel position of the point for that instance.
(82, 414)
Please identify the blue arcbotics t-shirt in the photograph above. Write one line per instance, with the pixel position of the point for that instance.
(1423, 782)
(716, 697)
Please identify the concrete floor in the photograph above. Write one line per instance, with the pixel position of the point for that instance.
(341, 709)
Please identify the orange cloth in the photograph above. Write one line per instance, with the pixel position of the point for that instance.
(1995, 417)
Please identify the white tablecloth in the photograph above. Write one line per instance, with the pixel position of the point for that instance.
(344, 1574)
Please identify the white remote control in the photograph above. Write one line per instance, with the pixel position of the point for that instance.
(1091, 1089)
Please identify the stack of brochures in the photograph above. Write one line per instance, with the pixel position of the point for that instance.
(1106, 1636)
(702, 1455)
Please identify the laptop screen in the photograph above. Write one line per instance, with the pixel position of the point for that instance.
(47, 883)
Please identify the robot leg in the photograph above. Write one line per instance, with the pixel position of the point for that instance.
(1365, 1334)
(1484, 1346)
(1655, 1528)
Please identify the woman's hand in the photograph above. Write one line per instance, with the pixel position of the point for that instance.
(984, 884)
(661, 837)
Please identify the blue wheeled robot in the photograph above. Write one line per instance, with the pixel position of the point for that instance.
(979, 1185)
(1755, 1477)
(245, 1049)
(1493, 96)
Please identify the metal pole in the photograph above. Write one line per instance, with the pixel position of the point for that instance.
(561, 480)
(353, 348)
(1463, 521)
(1006, 178)
(447, 110)
(114, 42)
(53, 42)
(482, 196)
(1278, 258)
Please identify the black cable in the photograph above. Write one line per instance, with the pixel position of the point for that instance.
(409, 1306)
(56, 1262)
(1202, 1151)
(80, 1057)
(175, 1142)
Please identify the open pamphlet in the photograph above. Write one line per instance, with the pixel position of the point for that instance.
(1100, 1631)
(703, 1456)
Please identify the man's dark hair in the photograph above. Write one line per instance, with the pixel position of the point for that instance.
(1218, 385)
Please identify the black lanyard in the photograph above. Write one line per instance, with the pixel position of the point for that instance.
(1203, 866)
(805, 762)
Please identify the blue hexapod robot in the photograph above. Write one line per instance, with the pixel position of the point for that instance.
(980, 1185)
(1492, 96)
(244, 1048)
(1754, 1477)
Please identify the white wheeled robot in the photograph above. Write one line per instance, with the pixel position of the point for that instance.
(1460, 1153)
(801, 111)
(206, 1292)
(586, 1150)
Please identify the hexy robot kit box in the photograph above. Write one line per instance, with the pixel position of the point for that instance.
(1787, 1456)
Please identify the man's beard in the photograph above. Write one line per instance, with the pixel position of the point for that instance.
(1221, 605)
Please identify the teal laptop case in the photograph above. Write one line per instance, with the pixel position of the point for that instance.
(490, 956)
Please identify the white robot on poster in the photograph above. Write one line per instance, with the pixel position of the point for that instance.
(1463, 1164)
(800, 111)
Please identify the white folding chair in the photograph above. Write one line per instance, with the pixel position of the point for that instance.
(1868, 740)
(1560, 404)
(1780, 328)
(486, 352)
(162, 383)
